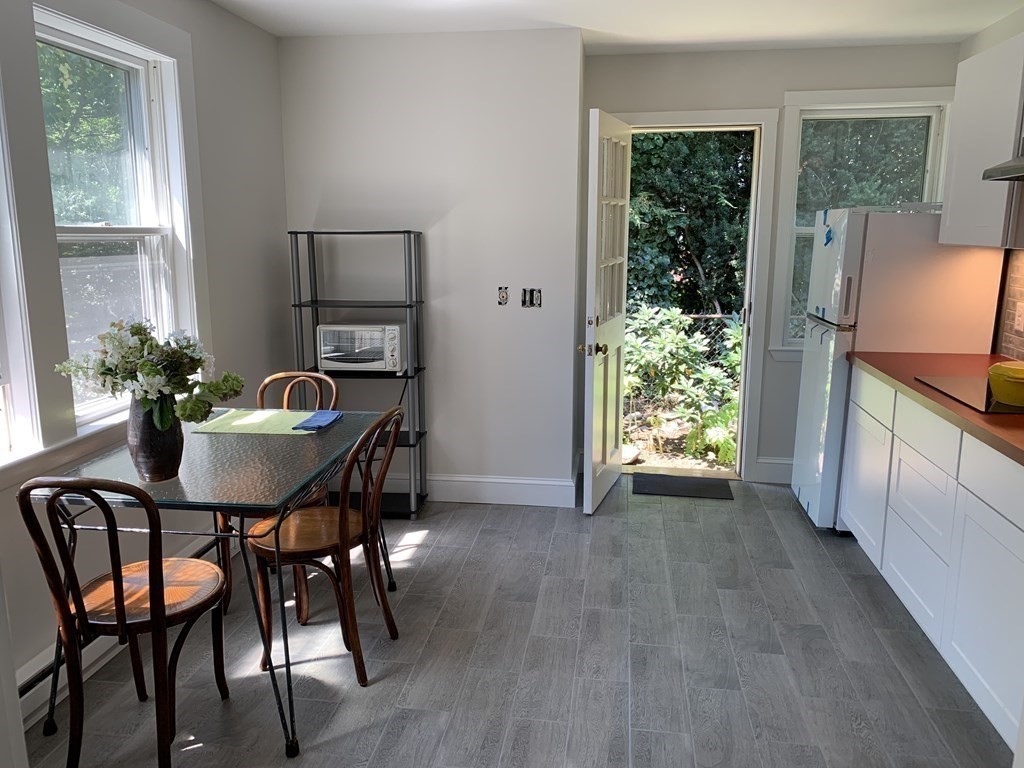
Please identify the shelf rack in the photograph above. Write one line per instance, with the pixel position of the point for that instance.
(306, 306)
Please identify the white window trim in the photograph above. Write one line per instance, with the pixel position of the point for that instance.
(16, 373)
(852, 103)
(31, 223)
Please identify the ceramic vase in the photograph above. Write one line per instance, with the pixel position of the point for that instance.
(156, 453)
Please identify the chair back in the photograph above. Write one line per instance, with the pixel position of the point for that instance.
(56, 551)
(372, 455)
(292, 380)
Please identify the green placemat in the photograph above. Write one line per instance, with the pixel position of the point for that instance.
(257, 422)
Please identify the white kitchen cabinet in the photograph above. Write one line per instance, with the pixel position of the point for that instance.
(924, 496)
(862, 496)
(984, 130)
(984, 626)
(916, 574)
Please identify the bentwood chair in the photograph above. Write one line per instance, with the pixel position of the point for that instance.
(312, 533)
(326, 392)
(145, 597)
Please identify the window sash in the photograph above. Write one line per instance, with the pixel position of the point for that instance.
(156, 284)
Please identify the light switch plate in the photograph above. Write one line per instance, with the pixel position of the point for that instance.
(1018, 321)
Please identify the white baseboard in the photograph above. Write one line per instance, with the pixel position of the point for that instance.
(491, 489)
(769, 469)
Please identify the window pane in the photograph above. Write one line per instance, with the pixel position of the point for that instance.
(101, 282)
(847, 162)
(802, 249)
(860, 161)
(89, 138)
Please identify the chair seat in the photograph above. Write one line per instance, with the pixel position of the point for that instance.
(307, 532)
(191, 587)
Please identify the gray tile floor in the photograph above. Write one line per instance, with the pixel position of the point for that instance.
(661, 633)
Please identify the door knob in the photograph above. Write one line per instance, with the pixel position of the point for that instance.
(601, 348)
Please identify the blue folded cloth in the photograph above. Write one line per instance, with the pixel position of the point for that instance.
(319, 420)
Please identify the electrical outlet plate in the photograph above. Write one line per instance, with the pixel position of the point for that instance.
(531, 297)
(1018, 320)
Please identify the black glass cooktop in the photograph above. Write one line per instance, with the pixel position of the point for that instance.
(972, 391)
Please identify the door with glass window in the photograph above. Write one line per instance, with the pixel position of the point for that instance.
(607, 234)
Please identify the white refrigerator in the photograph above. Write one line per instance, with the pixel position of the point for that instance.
(880, 282)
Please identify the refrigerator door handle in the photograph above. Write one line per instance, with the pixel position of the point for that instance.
(841, 327)
(848, 296)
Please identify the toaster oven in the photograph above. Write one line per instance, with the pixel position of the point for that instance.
(371, 347)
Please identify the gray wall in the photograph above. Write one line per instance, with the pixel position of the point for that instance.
(472, 138)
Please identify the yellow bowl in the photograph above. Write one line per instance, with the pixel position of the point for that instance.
(1007, 382)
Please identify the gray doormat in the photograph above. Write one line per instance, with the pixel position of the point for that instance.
(673, 485)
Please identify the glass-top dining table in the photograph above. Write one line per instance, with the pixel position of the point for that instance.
(246, 476)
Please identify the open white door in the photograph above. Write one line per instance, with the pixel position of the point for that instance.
(607, 235)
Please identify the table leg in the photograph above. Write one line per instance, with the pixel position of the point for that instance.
(291, 741)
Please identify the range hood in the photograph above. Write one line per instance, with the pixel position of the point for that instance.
(1011, 170)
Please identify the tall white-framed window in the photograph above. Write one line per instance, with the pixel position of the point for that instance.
(117, 179)
(844, 149)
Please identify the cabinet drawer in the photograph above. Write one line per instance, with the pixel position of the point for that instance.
(930, 435)
(875, 397)
(916, 574)
(862, 498)
(992, 477)
(985, 616)
(924, 496)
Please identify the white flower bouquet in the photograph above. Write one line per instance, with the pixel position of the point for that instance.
(131, 359)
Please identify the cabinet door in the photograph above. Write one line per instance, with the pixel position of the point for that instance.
(924, 496)
(983, 639)
(916, 574)
(984, 130)
(865, 484)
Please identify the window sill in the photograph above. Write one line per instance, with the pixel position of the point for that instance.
(786, 354)
(92, 438)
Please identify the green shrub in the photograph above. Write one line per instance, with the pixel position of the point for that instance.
(676, 368)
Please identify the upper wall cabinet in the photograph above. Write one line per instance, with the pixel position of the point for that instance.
(984, 129)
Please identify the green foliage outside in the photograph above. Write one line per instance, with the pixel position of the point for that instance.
(689, 224)
(689, 220)
(88, 133)
(866, 161)
(680, 370)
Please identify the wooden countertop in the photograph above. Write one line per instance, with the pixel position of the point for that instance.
(1002, 431)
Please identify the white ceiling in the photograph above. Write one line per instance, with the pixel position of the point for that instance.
(641, 26)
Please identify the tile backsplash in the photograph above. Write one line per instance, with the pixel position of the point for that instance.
(1011, 342)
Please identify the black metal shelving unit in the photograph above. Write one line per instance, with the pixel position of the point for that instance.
(307, 304)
